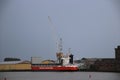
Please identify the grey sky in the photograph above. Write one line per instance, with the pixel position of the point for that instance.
(89, 27)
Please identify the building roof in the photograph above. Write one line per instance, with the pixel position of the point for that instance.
(15, 62)
(10, 62)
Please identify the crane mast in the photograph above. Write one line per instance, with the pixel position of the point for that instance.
(60, 45)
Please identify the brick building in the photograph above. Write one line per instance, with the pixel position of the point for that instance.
(109, 64)
(117, 58)
(105, 64)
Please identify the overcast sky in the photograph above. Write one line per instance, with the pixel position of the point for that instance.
(91, 28)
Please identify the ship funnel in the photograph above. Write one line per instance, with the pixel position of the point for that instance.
(71, 58)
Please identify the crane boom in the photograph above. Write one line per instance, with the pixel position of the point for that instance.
(58, 44)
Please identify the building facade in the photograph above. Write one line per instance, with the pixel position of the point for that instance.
(117, 58)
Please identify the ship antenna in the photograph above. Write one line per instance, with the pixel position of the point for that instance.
(69, 50)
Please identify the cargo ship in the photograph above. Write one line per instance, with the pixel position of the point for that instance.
(53, 67)
(65, 63)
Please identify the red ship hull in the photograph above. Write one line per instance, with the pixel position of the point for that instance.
(54, 68)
